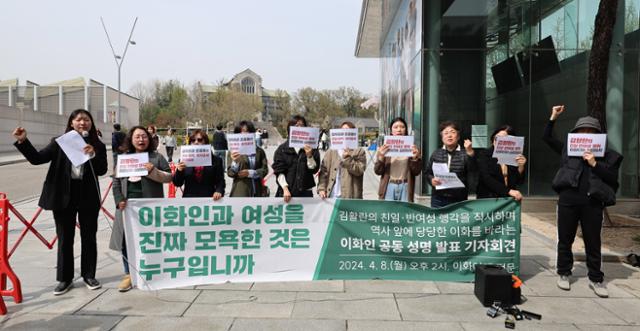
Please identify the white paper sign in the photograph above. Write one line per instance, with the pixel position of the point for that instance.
(447, 179)
(72, 145)
(195, 155)
(578, 143)
(507, 148)
(399, 145)
(301, 135)
(243, 143)
(129, 165)
(344, 138)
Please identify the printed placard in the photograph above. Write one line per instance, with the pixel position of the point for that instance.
(302, 135)
(196, 155)
(578, 143)
(344, 138)
(507, 148)
(399, 145)
(129, 165)
(243, 143)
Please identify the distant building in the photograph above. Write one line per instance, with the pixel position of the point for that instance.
(251, 83)
(65, 96)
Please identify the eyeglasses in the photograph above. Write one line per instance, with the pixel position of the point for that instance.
(199, 140)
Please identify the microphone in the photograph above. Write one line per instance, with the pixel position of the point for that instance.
(85, 134)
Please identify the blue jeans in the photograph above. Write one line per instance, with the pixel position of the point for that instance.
(397, 192)
(440, 201)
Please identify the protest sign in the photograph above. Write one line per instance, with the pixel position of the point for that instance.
(578, 143)
(72, 144)
(132, 165)
(302, 135)
(243, 143)
(196, 155)
(188, 242)
(344, 138)
(507, 148)
(399, 145)
(447, 179)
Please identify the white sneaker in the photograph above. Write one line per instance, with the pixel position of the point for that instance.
(564, 282)
(599, 288)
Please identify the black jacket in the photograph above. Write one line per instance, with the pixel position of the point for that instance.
(578, 183)
(294, 167)
(56, 190)
(490, 181)
(461, 164)
(219, 141)
(212, 180)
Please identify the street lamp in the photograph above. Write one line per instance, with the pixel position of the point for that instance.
(119, 59)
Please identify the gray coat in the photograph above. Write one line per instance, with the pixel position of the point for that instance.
(151, 188)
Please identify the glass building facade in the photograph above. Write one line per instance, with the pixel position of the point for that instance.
(500, 62)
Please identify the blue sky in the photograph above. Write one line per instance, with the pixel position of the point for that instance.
(291, 44)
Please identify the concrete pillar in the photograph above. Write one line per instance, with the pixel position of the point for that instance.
(60, 101)
(86, 97)
(35, 98)
(104, 103)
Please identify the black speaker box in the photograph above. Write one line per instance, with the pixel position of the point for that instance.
(493, 283)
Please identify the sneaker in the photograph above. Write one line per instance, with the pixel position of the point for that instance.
(62, 288)
(599, 288)
(125, 284)
(564, 282)
(92, 283)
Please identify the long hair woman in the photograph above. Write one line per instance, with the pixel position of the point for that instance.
(247, 171)
(397, 174)
(69, 191)
(203, 181)
(138, 140)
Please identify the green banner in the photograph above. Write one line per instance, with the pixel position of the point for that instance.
(396, 240)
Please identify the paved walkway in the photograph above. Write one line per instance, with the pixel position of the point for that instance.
(320, 305)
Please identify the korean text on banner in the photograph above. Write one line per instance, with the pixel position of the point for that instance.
(399, 145)
(507, 148)
(196, 155)
(129, 165)
(300, 136)
(243, 143)
(578, 143)
(344, 138)
(188, 242)
(72, 145)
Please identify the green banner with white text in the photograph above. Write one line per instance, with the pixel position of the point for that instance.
(186, 242)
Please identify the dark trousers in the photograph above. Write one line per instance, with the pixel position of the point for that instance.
(65, 229)
(169, 153)
(590, 219)
(438, 201)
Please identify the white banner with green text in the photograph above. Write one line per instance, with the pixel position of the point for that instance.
(185, 242)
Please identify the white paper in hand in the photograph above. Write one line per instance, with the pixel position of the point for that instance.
(72, 145)
(447, 179)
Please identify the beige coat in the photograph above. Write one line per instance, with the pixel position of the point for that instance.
(351, 174)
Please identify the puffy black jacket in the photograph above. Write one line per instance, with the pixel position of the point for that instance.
(461, 164)
(576, 181)
(294, 166)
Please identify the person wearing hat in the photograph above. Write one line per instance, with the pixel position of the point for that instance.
(585, 185)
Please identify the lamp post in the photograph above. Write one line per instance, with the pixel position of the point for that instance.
(119, 59)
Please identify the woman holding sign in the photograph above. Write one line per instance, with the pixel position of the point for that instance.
(342, 171)
(294, 167)
(453, 160)
(139, 140)
(496, 179)
(201, 181)
(398, 174)
(585, 185)
(247, 171)
(69, 191)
